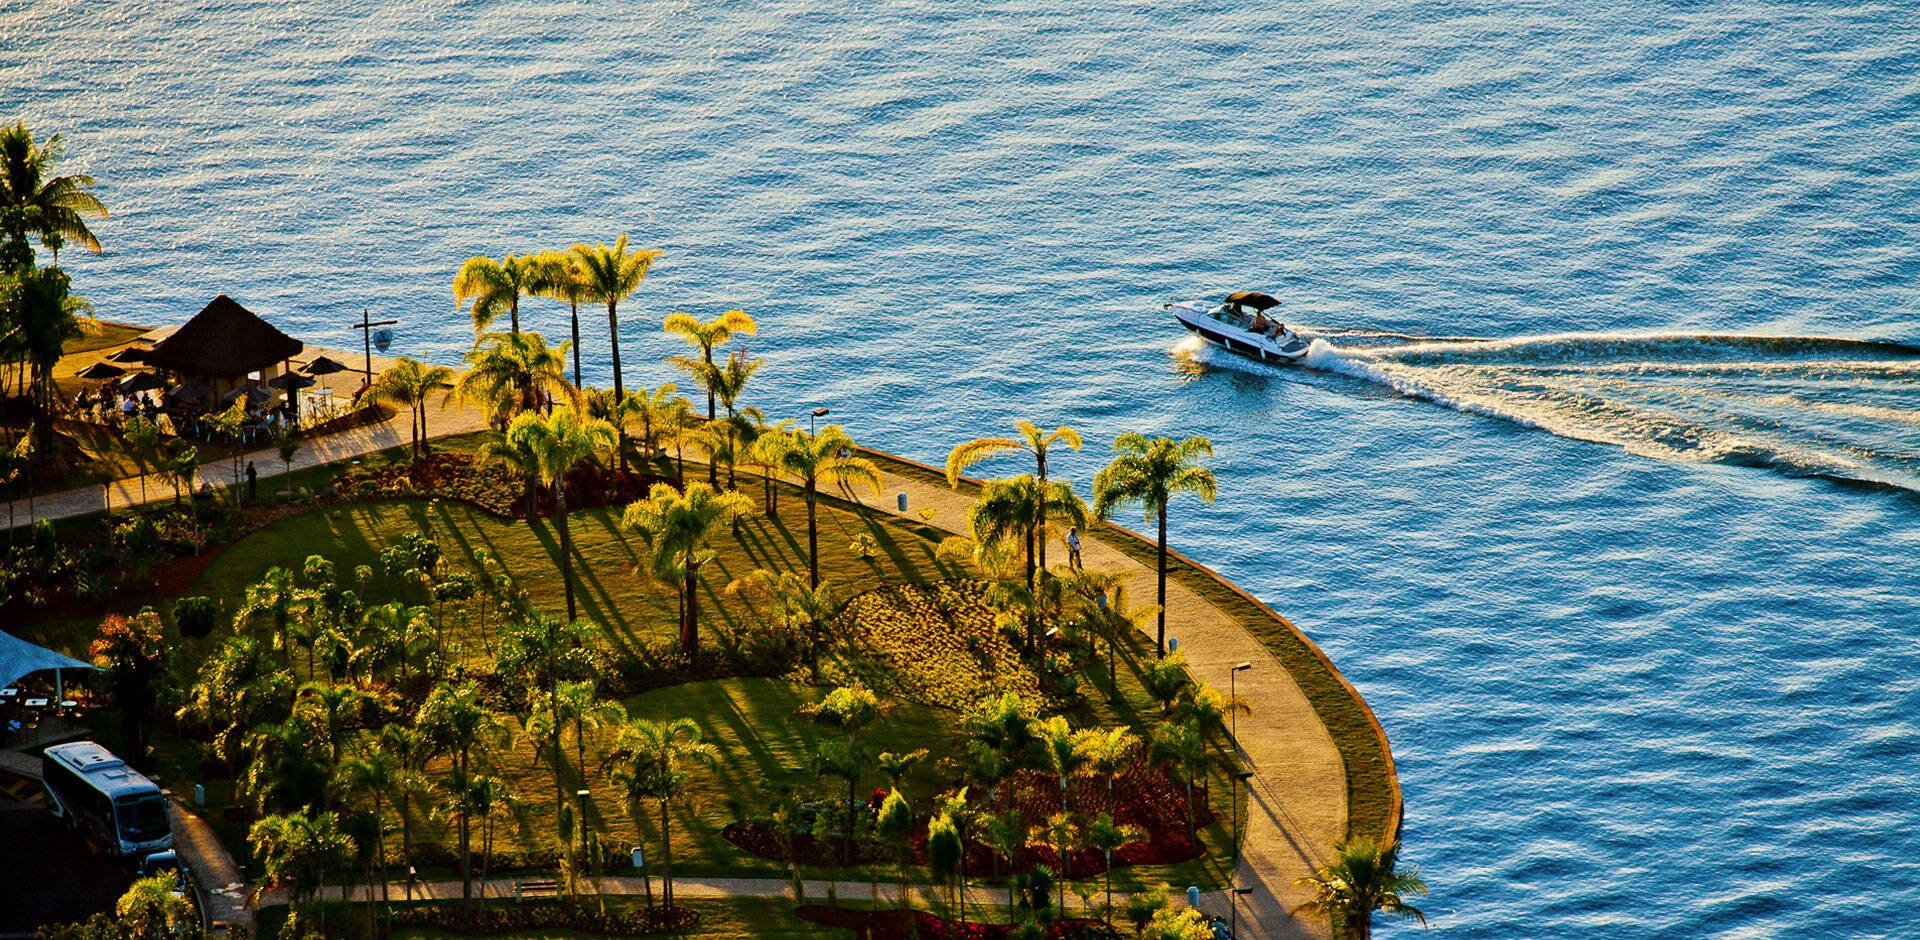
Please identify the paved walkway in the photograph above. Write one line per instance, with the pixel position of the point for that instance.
(223, 888)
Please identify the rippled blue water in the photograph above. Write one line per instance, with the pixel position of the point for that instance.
(1630, 697)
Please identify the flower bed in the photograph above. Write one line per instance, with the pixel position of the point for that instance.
(491, 489)
(564, 915)
(1142, 796)
(930, 643)
(889, 925)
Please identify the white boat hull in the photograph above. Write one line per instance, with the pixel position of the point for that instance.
(1201, 320)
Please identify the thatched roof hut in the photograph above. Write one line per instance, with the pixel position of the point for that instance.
(224, 341)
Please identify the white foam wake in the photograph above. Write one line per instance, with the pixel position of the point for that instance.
(1845, 409)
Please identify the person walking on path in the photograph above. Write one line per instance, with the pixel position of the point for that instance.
(253, 482)
(1073, 549)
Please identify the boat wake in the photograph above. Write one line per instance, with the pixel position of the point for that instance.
(1843, 409)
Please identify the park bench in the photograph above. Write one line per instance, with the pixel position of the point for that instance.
(523, 890)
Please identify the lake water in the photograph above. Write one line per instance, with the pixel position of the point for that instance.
(1649, 670)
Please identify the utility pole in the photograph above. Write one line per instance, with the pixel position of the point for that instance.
(365, 327)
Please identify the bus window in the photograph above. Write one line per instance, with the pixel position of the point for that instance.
(143, 818)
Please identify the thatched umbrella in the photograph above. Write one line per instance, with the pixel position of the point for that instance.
(142, 382)
(101, 371)
(324, 366)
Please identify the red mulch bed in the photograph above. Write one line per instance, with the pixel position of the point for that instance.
(888, 925)
(1142, 796)
(488, 921)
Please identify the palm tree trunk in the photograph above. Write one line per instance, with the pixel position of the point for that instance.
(1160, 577)
(813, 539)
(466, 843)
(666, 857)
(575, 306)
(566, 546)
(690, 613)
(619, 383)
(513, 311)
(1040, 519)
(406, 839)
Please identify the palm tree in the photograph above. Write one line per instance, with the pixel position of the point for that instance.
(1106, 750)
(31, 204)
(676, 527)
(579, 705)
(1180, 746)
(495, 285)
(610, 273)
(662, 415)
(297, 849)
(406, 384)
(561, 277)
(727, 383)
(824, 458)
(1104, 612)
(1152, 472)
(1059, 833)
(792, 604)
(455, 722)
(850, 709)
(1010, 509)
(411, 749)
(1167, 681)
(1031, 440)
(1106, 836)
(40, 315)
(547, 449)
(143, 445)
(715, 332)
(337, 705)
(513, 372)
(646, 763)
(372, 773)
(1058, 751)
(1360, 880)
(999, 728)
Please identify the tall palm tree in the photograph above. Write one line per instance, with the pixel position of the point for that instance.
(1032, 440)
(662, 414)
(824, 458)
(455, 722)
(850, 709)
(407, 384)
(494, 286)
(1362, 879)
(547, 448)
(410, 748)
(32, 204)
(647, 762)
(676, 527)
(561, 278)
(715, 332)
(611, 273)
(579, 705)
(1058, 751)
(1152, 472)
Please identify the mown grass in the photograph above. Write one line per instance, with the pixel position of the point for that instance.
(741, 917)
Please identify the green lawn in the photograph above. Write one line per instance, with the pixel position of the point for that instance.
(742, 918)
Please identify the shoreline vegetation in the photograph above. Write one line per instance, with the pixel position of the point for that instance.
(549, 621)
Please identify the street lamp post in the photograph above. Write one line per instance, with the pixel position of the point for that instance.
(813, 416)
(580, 826)
(1239, 776)
(365, 327)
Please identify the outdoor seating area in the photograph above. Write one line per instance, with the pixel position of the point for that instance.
(36, 699)
(181, 381)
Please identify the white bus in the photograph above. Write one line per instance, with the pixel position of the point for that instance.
(96, 792)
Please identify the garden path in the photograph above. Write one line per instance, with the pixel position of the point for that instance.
(443, 419)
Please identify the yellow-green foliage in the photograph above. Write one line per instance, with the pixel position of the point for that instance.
(934, 644)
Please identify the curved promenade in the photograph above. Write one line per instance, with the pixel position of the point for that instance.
(1321, 764)
(1298, 797)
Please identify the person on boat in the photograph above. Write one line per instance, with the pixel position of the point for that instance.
(1259, 323)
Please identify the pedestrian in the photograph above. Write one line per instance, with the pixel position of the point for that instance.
(1073, 549)
(253, 487)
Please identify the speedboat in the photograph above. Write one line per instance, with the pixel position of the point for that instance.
(1247, 324)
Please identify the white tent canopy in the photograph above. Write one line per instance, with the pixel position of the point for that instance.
(19, 658)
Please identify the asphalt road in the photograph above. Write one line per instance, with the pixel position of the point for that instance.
(48, 875)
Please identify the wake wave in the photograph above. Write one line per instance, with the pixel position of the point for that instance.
(1805, 406)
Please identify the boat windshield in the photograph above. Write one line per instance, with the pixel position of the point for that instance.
(142, 818)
